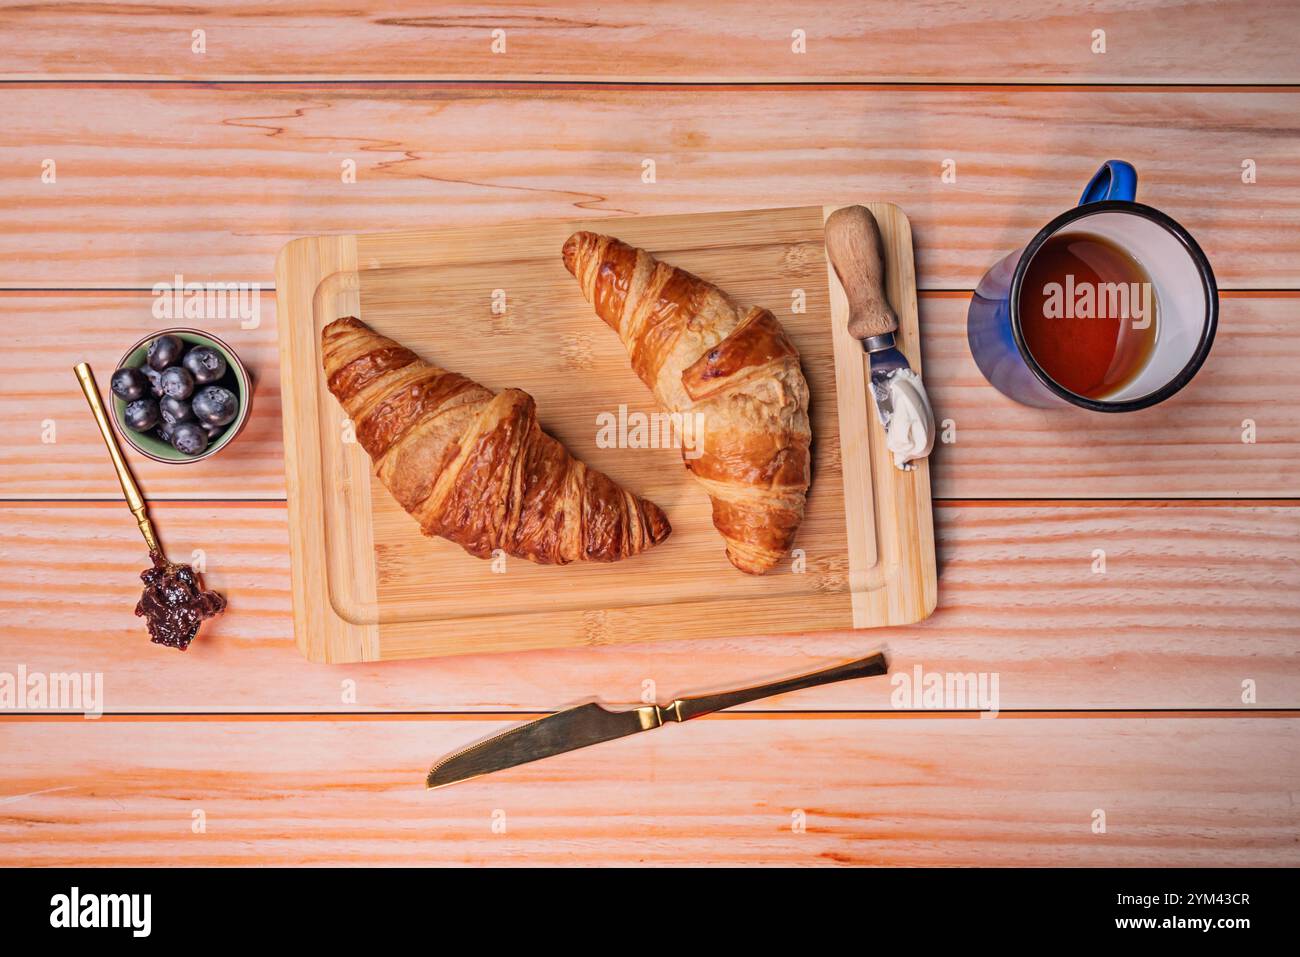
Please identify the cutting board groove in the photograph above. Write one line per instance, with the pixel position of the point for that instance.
(496, 304)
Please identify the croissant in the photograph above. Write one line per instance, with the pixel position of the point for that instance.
(473, 466)
(739, 374)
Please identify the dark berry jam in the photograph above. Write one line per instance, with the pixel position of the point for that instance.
(174, 603)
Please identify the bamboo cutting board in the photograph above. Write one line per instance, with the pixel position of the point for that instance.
(496, 304)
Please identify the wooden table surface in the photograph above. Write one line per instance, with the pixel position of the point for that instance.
(1148, 711)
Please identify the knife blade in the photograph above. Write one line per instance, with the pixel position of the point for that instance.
(593, 723)
(856, 252)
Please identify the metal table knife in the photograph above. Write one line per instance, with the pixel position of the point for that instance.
(856, 252)
(593, 723)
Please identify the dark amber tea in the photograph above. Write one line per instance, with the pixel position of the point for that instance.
(1088, 314)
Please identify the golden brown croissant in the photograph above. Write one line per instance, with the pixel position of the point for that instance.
(474, 466)
(691, 346)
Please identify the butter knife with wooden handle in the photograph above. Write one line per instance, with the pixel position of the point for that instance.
(857, 254)
(593, 723)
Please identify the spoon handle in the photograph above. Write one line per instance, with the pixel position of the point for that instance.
(132, 491)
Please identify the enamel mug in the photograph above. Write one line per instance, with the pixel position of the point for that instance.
(1186, 295)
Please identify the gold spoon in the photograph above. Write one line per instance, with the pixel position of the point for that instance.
(132, 491)
(174, 600)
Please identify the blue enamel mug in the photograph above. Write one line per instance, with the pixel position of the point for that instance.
(1185, 294)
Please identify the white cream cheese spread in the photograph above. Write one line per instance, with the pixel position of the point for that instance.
(910, 434)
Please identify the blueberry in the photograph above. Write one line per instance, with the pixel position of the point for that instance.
(189, 439)
(155, 379)
(129, 384)
(164, 432)
(177, 382)
(215, 406)
(205, 363)
(212, 430)
(165, 351)
(141, 415)
(175, 411)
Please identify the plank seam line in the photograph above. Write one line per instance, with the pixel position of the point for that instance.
(153, 500)
(775, 714)
(1281, 292)
(1281, 501)
(1248, 293)
(616, 84)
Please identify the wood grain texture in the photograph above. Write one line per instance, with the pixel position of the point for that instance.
(1210, 791)
(358, 556)
(1002, 450)
(318, 629)
(1161, 41)
(210, 181)
(894, 504)
(1192, 445)
(51, 448)
(1194, 601)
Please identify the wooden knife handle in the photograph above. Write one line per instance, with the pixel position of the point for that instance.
(857, 254)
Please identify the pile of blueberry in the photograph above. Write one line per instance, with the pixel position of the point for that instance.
(178, 395)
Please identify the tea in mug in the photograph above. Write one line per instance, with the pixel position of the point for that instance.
(1088, 314)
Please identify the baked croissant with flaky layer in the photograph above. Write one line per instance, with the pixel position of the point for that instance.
(698, 354)
(473, 466)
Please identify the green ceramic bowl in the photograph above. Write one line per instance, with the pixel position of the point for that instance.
(236, 380)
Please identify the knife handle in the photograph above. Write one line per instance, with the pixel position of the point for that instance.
(683, 709)
(857, 255)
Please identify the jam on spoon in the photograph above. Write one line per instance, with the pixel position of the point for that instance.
(174, 602)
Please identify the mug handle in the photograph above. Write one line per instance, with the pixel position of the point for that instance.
(1115, 180)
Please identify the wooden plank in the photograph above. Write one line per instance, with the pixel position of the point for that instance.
(680, 40)
(51, 448)
(900, 790)
(1190, 446)
(1233, 432)
(1194, 601)
(209, 181)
